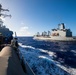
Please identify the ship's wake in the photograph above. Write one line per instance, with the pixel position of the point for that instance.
(42, 63)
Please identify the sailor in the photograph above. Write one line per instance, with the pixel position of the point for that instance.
(14, 43)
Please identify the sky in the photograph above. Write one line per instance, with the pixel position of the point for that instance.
(32, 16)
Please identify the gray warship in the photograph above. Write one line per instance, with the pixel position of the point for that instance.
(11, 62)
(57, 34)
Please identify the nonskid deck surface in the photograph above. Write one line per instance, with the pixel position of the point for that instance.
(10, 63)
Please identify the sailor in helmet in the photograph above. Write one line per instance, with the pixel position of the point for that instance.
(14, 42)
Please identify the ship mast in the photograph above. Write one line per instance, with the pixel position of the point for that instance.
(4, 15)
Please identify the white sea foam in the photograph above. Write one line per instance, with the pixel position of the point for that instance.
(24, 46)
(42, 63)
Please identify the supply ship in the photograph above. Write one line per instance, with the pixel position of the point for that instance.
(58, 34)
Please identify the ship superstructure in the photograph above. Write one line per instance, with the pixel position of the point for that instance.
(61, 31)
(3, 30)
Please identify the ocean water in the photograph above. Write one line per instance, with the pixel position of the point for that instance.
(49, 58)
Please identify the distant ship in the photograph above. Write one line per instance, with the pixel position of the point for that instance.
(58, 34)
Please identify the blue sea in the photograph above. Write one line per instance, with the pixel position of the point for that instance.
(44, 56)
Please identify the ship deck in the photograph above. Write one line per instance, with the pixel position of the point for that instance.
(10, 63)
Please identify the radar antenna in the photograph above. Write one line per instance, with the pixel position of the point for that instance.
(1, 14)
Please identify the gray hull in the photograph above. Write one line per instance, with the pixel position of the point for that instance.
(55, 38)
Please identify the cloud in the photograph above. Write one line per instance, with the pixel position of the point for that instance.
(24, 31)
(22, 23)
(25, 28)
